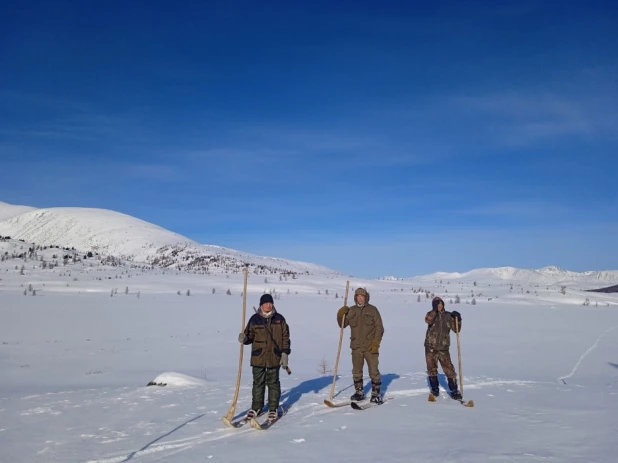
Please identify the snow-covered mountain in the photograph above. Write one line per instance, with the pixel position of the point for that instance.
(112, 233)
(546, 275)
(8, 211)
(100, 230)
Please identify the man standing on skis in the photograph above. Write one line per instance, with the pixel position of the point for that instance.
(269, 335)
(366, 331)
(437, 344)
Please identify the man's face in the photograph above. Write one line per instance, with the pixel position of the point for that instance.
(440, 306)
(267, 307)
(360, 299)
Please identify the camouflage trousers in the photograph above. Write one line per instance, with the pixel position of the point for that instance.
(432, 357)
(359, 356)
(262, 378)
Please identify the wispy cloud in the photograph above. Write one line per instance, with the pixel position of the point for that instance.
(155, 172)
(19, 98)
(49, 133)
(31, 117)
(525, 118)
(519, 209)
(281, 145)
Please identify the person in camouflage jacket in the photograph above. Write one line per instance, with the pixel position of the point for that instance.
(437, 344)
(269, 336)
(366, 332)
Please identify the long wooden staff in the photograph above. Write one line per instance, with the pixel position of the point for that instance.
(469, 403)
(345, 302)
(227, 419)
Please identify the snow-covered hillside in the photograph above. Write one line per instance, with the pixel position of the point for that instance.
(544, 276)
(8, 211)
(112, 233)
(100, 230)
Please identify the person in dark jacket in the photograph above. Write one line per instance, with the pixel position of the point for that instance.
(269, 336)
(437, 344)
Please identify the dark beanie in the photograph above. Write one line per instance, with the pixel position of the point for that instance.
(266, 298)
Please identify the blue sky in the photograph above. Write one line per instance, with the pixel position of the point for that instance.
(376, 138)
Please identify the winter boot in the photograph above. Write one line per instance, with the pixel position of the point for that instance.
(359, 394)
(251, 414)
(376, 398)
(272, 416)
(435, 386)
(452, 385)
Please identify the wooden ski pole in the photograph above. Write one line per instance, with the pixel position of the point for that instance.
(227, 419)
(459, 356)
(345, 302)
(469, 403)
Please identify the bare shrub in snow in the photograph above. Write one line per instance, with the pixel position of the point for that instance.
(323, 367)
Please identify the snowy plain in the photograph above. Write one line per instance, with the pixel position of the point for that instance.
(541, 367)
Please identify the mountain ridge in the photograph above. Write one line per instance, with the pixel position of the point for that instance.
(544, 275)
(109, 232)
(114, 233)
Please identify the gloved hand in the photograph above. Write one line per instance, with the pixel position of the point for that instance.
(342, 311)
(457, 324)
(374, 347)
(284, 361)
(242, 338)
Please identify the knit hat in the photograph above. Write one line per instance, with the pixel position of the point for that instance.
(266, 298)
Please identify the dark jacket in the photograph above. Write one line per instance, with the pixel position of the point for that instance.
(438, 334)
(270, 337)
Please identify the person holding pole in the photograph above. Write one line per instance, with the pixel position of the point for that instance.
(269, 336)
(366, 332)
(437, 344)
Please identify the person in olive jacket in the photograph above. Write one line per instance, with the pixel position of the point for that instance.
(437, 344)
(366, 332)
(269, 336)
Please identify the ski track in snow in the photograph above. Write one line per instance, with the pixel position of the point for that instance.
(585, 354)
(298, 414)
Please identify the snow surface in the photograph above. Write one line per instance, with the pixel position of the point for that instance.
(541, 368)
